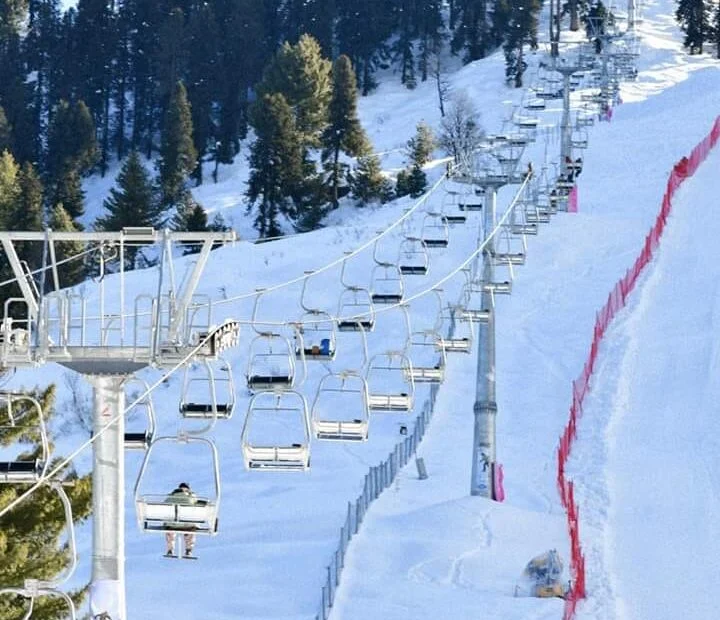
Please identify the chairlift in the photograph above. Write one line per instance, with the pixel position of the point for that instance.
(427, 353)
(386, 284)
(161, 513)
(451, 212)
(271, 365)
(535, 105)
(283, 416)
(460, 336)
(413, 257)
(355, 310)
(22, 412)
(510, 254)
(434, 231)
(341, 410)
(208, 390)
(536, 214)
(316, 331)
(141, 440)
(579, 139)
(469, 203)
(470, 310)
(390, 382)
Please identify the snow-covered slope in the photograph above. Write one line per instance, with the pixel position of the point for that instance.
(427, 550)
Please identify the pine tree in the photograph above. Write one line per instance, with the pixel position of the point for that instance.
(29, 213)
(5, 132)
(178, 156)
(472, 30)
(9, 190)
(716, 30)
(277, 163)
(71, 272)
(404, 49)
(421, 146)
(131, 203)
(190, 217)
(368, 182)
(32, 535)
(312, 17)
(303, 77)
(522, 30)
(693, 17)
(344, 131)
(430, 27)
(71, 140)
(68, 191)
(16, 96)
(412, 181)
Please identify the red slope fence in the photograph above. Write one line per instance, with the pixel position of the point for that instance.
(682, 170)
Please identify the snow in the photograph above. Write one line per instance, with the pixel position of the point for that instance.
(427, 549)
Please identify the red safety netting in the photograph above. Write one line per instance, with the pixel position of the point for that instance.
(685, 168)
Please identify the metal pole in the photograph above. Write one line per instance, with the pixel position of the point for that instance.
(107, 591)
(631, 15)
(485, 408)
(566, 129)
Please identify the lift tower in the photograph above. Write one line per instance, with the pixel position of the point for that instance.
(99, 333)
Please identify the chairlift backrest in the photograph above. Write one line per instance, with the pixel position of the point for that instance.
(271, 364)
(341, 410)
(141, 440)
(21, 411)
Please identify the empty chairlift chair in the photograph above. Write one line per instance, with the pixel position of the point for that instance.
(390, 382)
(460, 333)
(435, 231)
(144, 409)
(508, 250)
(452, 214)
(160, 512)
(428, 357)
(386, 284)
(356, 311)
(208, 390)
(341, 409)
(21, 418)
(413, 257)
(276, 434)
(271, 365)
(471, 201)
(471, 307)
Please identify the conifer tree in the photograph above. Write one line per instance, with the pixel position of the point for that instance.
(276, 161)
(32, 534)
(430, 32)
(68, 192)
(522, 30)
(472, 30)
(9, 190)
(5, 132)
(301, 74)
(29, 213)
(412, 181)
(312, 17)
(190, 217)
(716, 30)
(344, 131)
(178, 156)
(71, 272)
(693, 17)
(368, 182)
(421, 146)
(131, 203)
(71, 140)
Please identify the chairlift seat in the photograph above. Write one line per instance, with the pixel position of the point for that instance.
(295, 457)
(428, 374)
(436, 243)
(269, 382)
(454, 219)
(535, 105)
(541, 216)
(509, 258)
(499, 288)
(562, 184)
(346, 430)
(18, 472)
(386, 298)
(156, 514)
(480, 315)
(137, 441)
(390, 402)
(204, 410)
(525, 229)
(355, 325)
(470, 206)
(456, 345)
(415, 270)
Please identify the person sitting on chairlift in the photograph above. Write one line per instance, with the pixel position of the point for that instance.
(184, 496)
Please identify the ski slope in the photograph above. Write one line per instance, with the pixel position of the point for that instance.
(427, 549)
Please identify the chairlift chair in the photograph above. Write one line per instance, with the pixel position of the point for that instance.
(281, 412)
(413, 257)
(159, 513)
(457, 341)
(435, 231)
(535, 105)
(355, 310)
(316, 337)
(141, 440)
(468, 202)
(18, 410)
(579, 139)
(271, 365)
(341, 410)
(390, 382)
(510, 254)
(386, 284)
(426, 350)
(470, 310)
(522, 227)
(208, 391)
(451, 211)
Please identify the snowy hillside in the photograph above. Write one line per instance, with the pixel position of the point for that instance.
(428, 550)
